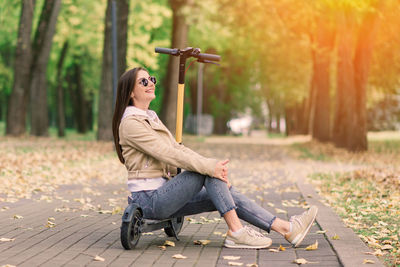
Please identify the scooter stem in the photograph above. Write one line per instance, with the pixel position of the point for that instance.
(179, 112)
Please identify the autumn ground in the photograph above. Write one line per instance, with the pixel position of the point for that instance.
(367, 199)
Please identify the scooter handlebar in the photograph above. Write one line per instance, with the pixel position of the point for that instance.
(168, 51)
(211, 57)
(176, 52)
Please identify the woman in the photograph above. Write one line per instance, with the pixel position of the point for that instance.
(151, 156)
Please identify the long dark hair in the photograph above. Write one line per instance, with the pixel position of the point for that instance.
(126, 84)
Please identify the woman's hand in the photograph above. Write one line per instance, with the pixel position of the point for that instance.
(221, 170)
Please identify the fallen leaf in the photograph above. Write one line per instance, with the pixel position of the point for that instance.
(233, 263)
(217, 233)
(281, 248)
(162, 247)
(179, 256)
(252, 265)
(8, 265)
(169, 243)
(335, 237)
(98, 258)
(280, 211)
(377, 252)
(17, 217)
(148, 233)
(233, 258)
(313, 246)
(320, 232)
(201, 242)
(5, 239)
(387, 247)
(366, 261)
(273, 250)
(300, 261)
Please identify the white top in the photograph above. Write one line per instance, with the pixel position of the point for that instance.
(135, 185)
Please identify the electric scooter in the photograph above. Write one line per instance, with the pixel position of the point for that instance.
(133, 223)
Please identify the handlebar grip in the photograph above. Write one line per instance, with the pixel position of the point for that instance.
(168, 51)
(209, 57)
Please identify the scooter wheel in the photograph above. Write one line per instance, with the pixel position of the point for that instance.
(130, 232)
(177, 224)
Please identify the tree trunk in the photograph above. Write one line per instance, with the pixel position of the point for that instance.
(106, 94)
(16, 114)
(179, 40)
(41, 52)
(106, 86)
(324, 44)
(82, 116)
(122, 34)
(362, 61)
(342, 129)
(60, 92)
(350, 120)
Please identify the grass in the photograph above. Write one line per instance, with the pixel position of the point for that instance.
(381, 150)
(369, 206)
(70, 134)
(367, 199)
(276, 135)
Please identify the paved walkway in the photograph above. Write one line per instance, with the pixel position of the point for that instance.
(74, 226)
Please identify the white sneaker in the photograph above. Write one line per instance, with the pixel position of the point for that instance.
(247, 238)
(301, 224)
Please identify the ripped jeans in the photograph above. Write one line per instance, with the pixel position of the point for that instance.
(191, 193)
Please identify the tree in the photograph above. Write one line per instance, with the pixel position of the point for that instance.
(324, 44)
(106, 93)
(179, 40)
(41, 52)
(16, 115)
(60, 92)
(354, 56)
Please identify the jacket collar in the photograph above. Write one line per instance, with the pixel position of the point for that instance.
(134, 111)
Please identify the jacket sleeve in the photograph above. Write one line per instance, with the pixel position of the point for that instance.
(142, 137)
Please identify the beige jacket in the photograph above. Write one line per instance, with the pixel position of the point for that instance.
(150, 151)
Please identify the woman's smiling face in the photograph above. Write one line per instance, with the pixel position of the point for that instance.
(143, 95)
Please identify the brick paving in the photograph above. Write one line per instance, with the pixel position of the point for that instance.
(80, 234)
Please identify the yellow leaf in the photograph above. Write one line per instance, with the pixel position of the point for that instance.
(148, 233)
(179, 256)
(366, 261)
(282, 248)
(169, 243)
(233, 263)
(217, 233)
(233, 258)
(313, 246)
(18, 217)
(335, 237)
(321, 232)
(162, 247)
(252, 265)
(273, 250)
(98, 258)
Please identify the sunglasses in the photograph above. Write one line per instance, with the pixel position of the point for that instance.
(145, 81)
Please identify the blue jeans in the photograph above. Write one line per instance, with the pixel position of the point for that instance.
(191, 193)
